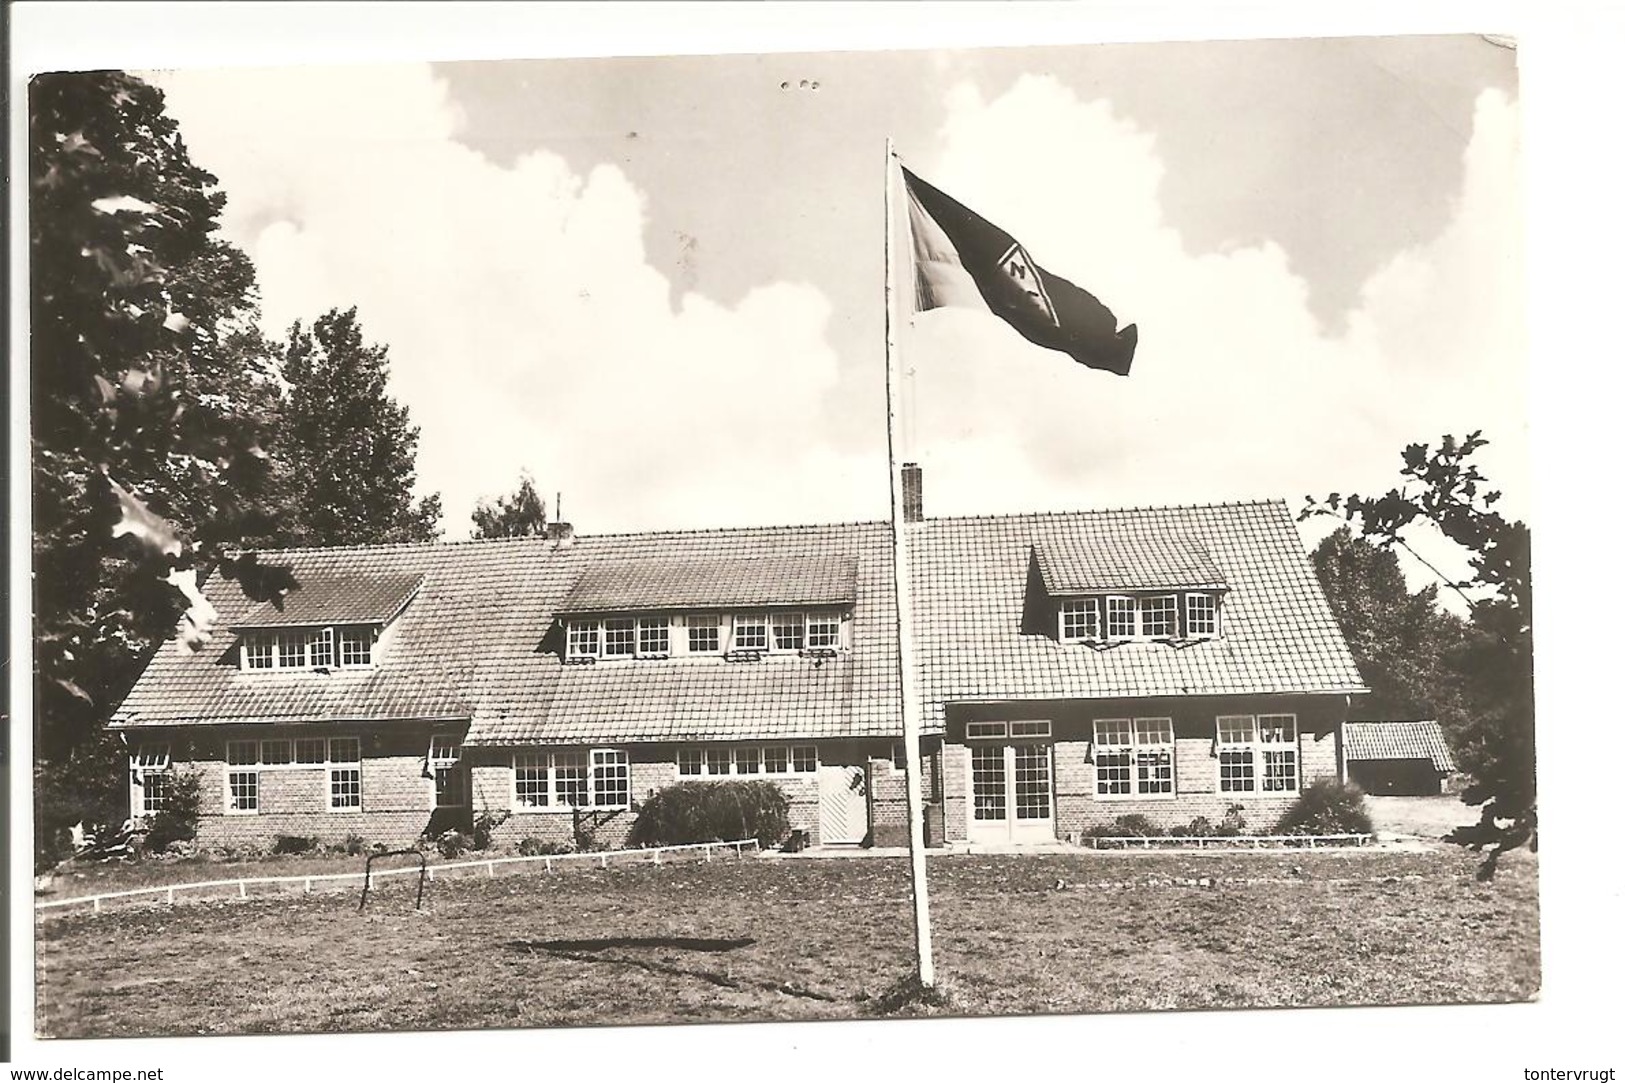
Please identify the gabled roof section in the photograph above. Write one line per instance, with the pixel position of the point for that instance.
(1101, 556)
(344, 598)
(1422, 740)
(970, 585)
(623, 586)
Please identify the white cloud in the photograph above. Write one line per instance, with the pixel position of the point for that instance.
(526, 328)
(1237, 392)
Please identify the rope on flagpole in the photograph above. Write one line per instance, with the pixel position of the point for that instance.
(905, 624)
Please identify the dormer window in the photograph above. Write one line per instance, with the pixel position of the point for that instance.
(1122, 618)
(803, 632)
(349, 647)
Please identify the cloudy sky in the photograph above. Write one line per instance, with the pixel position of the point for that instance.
(656, 283)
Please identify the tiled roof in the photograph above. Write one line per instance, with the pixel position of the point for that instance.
(970, 584)
(1102, 555)
(481, 639)
(346, 597)
(1398, 741)
(629, 585)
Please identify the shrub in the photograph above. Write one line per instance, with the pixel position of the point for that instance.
(293, 844)
(354, 845)
(531, 847)
(1327, 807)
(1132, 825)
(177, 819)
(484, 825)
(1234, 822)
(1199, 828)
(691, 812)
(453, 844)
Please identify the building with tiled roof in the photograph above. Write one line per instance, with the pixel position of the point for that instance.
(1397, 757)
(1073, 667)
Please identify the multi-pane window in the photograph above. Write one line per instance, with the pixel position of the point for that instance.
(450, 777)
(1201, 615)
(1080, 620)
(654, 635)
(1134, 757)
(611, 778)
(344, 773)
(572, 779)
(242, 776)
(1238, 735)
(1278, 740)
(531, 781)
(704, 633)
(583, 639)
(292, 650)
(355, 647)
(1159, 616)
(570, 775)
(259, 652)
(277, 753)
(823, 631)
(1114, 757)
(789, 631)
(619, 635)
(149, 764)
(750, 632)
(310, 750)
(1119, 618)
(747, 760)
(320, 648)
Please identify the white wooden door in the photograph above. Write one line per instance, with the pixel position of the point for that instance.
(1011, 792)
(843, 805)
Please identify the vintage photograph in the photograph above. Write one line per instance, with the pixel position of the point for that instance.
(780, 536)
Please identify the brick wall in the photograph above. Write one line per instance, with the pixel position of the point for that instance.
(1077, 807)
(395, 797)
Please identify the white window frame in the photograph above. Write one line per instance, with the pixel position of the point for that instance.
(149, 760)
(552, 763)
(1212, 601)
(660, 624)
(753, 622)
(577, 636)
(1118, 603)
(446, 762)
(631, 637)
(1088, 612)
(792, 624)
(363, 638)
(323, 642)
(1269, 747)
(335, 767)
(1171, 604)
(1138, 750)
(695, 756)
(259, 651)
(320, 648)
(704, 622)
(828, 622)
(722, 760)
(1234, 747)
(244, 768)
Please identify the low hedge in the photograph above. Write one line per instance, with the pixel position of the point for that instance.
(1327, 807)
(690, 812)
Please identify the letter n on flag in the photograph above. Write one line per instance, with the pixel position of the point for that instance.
(960, 258)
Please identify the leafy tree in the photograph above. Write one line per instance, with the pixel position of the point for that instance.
(1442, 489)
(151, 396)
(520, 514)
(1404, 644)
(349, 444)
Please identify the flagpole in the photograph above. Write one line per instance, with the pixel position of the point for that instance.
(905, 624)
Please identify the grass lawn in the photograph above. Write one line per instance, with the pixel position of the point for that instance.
(803, 939)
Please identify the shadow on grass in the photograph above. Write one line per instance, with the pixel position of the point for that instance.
(587, 951)
(907, 996)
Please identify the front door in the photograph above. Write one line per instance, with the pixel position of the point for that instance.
(1011, 784)
(843, 805)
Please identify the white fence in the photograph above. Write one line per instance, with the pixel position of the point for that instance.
(168, 892)
(1230, 842)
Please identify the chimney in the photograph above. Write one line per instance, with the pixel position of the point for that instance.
(561, 534)
(913, 497)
